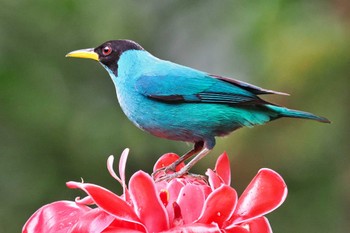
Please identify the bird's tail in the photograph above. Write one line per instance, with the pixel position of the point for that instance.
(285, 112)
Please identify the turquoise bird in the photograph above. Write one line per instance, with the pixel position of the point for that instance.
(179, 103)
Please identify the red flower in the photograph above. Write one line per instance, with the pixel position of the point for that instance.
(186, 204)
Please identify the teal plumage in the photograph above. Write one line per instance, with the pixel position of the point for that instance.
(180, 103)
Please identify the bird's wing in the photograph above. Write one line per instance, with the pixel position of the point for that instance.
(247, 86)
(197, 87)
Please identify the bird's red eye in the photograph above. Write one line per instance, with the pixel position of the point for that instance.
(106, 50)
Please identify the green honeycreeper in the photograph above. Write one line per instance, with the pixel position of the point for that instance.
(180, 103)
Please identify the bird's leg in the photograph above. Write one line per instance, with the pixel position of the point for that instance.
(186, 168)
(198, 146)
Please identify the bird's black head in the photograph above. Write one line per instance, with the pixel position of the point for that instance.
(110, 51)
(107, 53)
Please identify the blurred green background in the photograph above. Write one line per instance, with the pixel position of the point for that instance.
(60, 120)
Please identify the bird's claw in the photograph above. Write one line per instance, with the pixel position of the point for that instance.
(168, 177)
(183, 172)
(164, 171)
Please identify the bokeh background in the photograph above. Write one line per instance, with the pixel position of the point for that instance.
(60, 120)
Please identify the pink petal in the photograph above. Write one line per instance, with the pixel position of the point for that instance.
(147, 202)
(237, 229)
(195, 228)
(257, 225)
(118, 225)
(57, 217)
(121, 230)
(222, 168)
(110, 162)
(214, 180)
(166, 160)
(219, 205)
(191, 201)
(266, 192)
(107, 201)
(173, 187)
(122, 165)
(110, 169)
(85, 201)
(95, 221)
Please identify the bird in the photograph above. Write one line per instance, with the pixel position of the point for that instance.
(180, 103)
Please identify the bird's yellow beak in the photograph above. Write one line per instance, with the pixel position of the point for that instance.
(84, 53)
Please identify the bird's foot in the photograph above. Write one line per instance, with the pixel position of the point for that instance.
(181, 173)
(161, 172)
(170, 174)
(178, 168)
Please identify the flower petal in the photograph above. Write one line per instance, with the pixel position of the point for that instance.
(222, 168)
(94, 220)
(237, 229)
(85, 201)
(119, 225)
(111, 171)
(166, 160)
(173, 187)
(121, 230)
(266, 192)
(147, 202)
(107, 201)
(191, 201)
(195, 228)
(219, 205)
(122, 165)
(57, 217)
(257, 225)
(214, 180)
